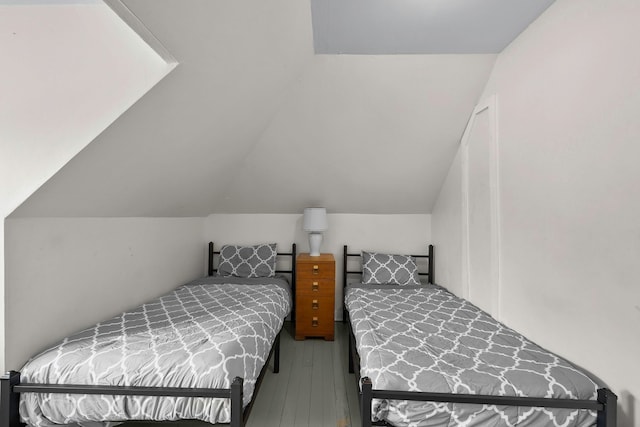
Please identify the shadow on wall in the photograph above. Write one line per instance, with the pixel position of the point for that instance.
(626, 418)
(626, 400)
(301, 237)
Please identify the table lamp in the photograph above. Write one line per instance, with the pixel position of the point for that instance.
(315, 222)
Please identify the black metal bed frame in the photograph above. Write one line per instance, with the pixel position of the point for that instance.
(605, 403)
(11, 387)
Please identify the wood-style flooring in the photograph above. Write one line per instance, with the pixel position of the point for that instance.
(313, 388)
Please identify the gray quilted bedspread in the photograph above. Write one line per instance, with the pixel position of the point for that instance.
(423, 338)
(201, 335)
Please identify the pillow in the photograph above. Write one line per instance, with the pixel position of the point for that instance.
(248, 261)
(378, 269)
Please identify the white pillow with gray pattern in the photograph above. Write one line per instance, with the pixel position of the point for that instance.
(248, 261)
(381, 269)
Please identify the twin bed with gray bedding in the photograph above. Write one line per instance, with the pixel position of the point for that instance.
(194, 341)
(421, 348)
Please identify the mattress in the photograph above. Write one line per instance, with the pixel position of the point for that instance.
(201, 335)
(423, 338)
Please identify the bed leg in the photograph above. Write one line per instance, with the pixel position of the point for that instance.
(276, 355)
(344, 282)
(210, 259)
(350, 351)
(352, 348)
(236, 403)
(609, 414)
(9, 401)
(365, 402)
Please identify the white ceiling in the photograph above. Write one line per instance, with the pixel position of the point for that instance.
(420, 26)
(59, 90)
(252, 121)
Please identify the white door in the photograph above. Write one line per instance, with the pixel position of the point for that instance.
(480, 193)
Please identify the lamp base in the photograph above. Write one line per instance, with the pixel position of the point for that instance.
(315, 240)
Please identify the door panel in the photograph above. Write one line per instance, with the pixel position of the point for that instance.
(481, 222)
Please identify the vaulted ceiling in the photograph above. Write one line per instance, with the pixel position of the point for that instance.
(252, 120)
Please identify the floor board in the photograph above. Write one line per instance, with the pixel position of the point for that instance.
(313, 388)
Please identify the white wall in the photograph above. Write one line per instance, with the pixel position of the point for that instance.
(2, 298)
(74, 68)
(446, 222)
(64, 274)
(568, 160)
(385, 233)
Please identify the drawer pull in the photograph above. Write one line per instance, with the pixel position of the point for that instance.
(314, 322)
(315, 286)
(314, 304)
(316, 269)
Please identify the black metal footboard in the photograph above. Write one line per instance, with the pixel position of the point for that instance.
(605, 404)
(11, 387)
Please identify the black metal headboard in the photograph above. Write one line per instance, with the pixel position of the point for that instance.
(346, 272)
(292, 254)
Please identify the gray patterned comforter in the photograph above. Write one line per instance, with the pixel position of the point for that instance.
(423, 338)
(201, 335)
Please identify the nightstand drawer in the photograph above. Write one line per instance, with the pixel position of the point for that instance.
(316, 270)
(315, 287)
(315, 304)
(315, 323)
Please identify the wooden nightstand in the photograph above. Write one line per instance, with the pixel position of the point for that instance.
(315, 296)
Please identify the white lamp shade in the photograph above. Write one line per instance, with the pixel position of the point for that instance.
(315, 219)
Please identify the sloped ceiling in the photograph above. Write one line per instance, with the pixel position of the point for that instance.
(68, 71)
(252, 121)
